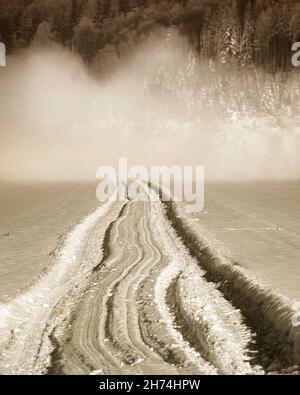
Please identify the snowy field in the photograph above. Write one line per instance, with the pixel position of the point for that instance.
(136, 288)
(258, 224)
(34, 219)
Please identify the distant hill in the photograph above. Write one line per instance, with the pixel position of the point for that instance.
(241, 32)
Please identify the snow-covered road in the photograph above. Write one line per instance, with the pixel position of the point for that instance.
(134, 291)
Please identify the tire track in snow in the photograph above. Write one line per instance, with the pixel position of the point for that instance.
(182, 266)
(27, 322)
(125, 297)
(267, 314)
(119, 334)
(112, 314)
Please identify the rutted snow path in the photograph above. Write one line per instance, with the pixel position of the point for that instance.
(125, 297)
(26, 322)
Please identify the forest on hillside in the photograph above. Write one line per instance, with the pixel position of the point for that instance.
(245, 33)
(228, 59)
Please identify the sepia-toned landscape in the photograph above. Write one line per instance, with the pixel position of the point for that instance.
(120, 275)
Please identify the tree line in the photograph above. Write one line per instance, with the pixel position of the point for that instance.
(239, 33)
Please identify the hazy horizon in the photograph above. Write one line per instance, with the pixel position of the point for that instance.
(59, 121)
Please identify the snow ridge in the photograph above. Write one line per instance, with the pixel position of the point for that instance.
(267, 311)
(216, 326)
(27, 322)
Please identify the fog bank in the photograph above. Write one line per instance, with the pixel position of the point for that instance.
(58, 121)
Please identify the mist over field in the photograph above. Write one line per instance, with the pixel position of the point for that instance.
(59, 120)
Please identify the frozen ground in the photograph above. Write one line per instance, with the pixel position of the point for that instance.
(33, 221)
(137, 288)
(259, 225)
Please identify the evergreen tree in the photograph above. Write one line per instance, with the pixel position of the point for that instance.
(263, 38)
(43, 34)
(230, 35)
(61, 18)
(103, 9)
(25, 32)
(85, 39)
(91, 9)
(246, 50)
(295, 24)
